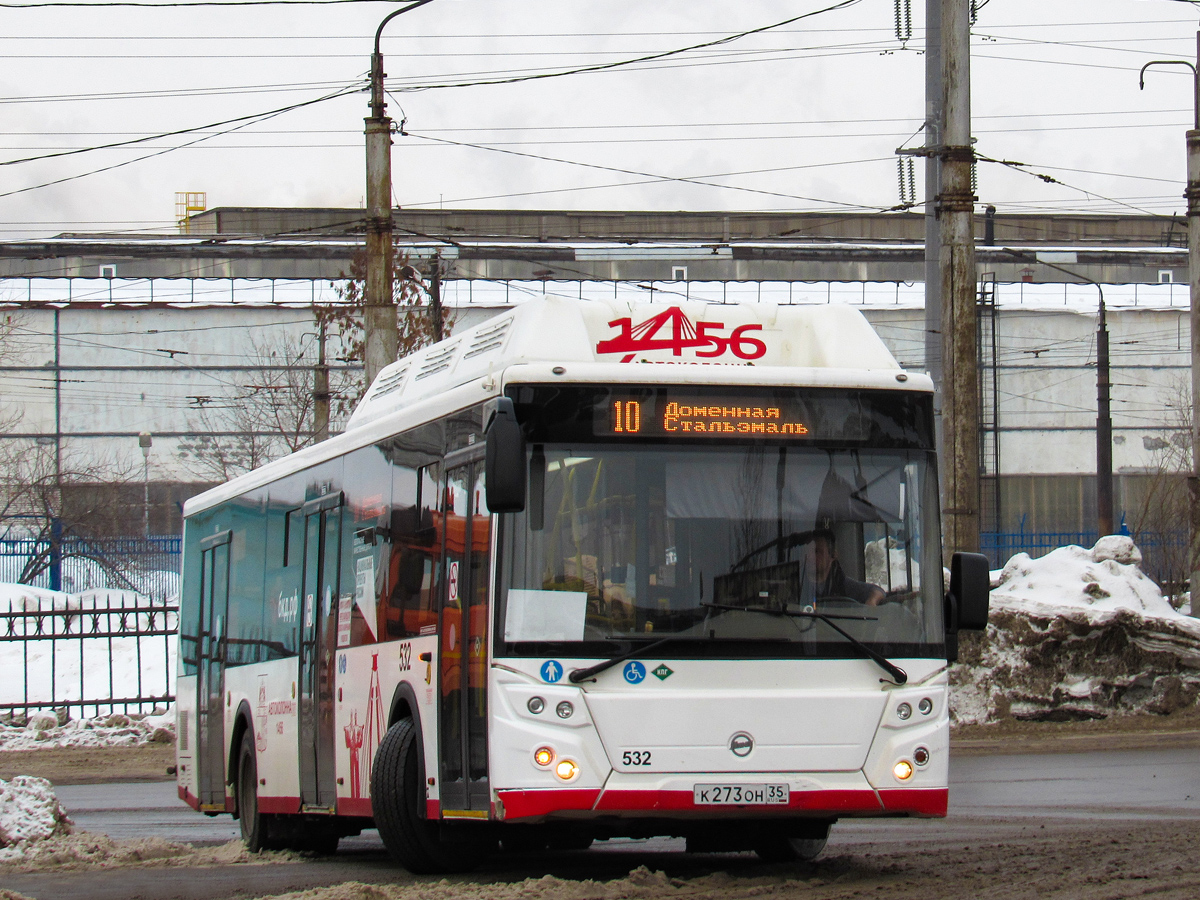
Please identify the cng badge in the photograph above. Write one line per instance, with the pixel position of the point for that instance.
(635, 672)
(663, 672)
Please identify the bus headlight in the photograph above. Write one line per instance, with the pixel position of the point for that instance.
(921, 756)
(536, 705)
(565, 709)
(903, 711)
(543, 756)
(567, 769)
(903, 770)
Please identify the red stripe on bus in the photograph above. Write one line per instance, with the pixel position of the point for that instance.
(925, 802)
(522, 804)
(433, 808)
(190, 799)
(279, 804)
(354, 806)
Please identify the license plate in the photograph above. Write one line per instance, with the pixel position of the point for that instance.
(740, 794)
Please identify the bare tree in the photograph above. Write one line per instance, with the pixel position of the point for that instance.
(420, 318)
(1160, 517)
(268, 416)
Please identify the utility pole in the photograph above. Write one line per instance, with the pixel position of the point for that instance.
(934, 110)
(145, 441)
(1192, 195)
(380, 343)
(1104, 482)
(435, 298)
(321, 388)
(955, 211)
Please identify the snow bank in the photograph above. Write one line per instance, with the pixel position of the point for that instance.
(1077, 634)
(44, 730)
(29, 812)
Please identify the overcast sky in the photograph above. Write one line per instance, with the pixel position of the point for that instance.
(803, 117)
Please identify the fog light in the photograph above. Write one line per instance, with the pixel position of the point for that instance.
(564, 709)
(925, 706)
(903, 770)
(903, 710)
(543, 756)
(566, 769)
(536, 705)
(921, 756)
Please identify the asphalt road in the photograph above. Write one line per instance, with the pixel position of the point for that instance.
(994, 799)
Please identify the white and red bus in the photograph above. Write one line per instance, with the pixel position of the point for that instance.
(586, 570)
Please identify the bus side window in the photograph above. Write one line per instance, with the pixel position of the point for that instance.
(409, 607)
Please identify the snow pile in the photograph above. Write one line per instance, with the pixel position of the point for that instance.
(29, 812)
(42, 730)
(1077, 634)
(87, 850)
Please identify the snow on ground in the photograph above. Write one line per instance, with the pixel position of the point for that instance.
(82, 669)
(1077, 634)
(29, 812)
(44, 730)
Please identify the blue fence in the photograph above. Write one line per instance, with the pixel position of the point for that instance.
(149, 566)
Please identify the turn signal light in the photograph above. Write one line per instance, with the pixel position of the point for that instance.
(903, 770)
(543, 756)
(566, 769)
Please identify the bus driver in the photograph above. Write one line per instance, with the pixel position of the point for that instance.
(829, 580)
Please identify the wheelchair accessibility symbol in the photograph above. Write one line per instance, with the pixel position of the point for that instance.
(635, 672)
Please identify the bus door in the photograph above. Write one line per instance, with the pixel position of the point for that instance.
(210, 663)
(466, 543)
(318, 635)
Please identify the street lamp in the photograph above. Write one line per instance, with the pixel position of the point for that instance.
(1192, 195)
(145, 441)
(379, 315)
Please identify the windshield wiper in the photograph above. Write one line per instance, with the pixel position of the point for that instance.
(579, 675)
(897, 673)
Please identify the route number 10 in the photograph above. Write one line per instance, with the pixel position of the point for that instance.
(627, 416)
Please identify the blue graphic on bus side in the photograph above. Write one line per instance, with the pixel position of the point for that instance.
(635, 672)
(551, 670)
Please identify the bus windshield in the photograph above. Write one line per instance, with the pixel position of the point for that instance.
(720, 546)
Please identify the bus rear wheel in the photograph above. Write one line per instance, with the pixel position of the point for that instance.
(413, 841)
(254, 825)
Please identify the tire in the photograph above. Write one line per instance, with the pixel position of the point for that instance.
(783, 848)
(396, 798)
(255, 826)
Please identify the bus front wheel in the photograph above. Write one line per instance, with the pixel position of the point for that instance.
(396, 797)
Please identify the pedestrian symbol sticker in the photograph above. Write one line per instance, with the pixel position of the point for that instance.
(551, 670)
(635, 672)
(663, 672)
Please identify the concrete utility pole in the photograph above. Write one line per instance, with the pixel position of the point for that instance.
(934, 110)
(1192, 194)
(379, 309)
(955, 210)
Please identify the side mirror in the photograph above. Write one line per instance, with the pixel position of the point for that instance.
(504, 465)
(968, 598)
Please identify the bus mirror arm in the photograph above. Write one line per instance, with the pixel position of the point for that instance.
(967, 601)
(505, 460)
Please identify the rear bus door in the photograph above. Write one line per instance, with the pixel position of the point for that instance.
(210, 662)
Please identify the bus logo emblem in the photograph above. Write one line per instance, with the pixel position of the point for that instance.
(635, 672)
(672, 330)
(663, 672)
(551, 671)
(741, 744)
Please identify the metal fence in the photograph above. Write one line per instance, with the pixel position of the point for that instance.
(106, 654)
(149, 566)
